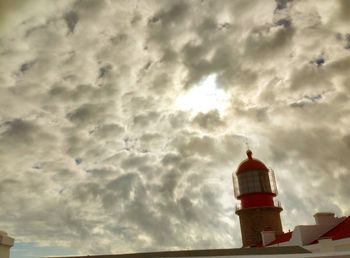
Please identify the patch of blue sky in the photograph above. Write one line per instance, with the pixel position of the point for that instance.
(32, 250)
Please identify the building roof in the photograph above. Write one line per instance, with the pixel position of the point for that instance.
(251, 164)
(210, 252)
(340, 231)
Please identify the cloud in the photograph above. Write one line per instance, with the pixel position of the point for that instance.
(71, 18)
(209, 121)
(94, 150)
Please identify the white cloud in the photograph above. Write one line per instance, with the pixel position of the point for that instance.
(93, 148)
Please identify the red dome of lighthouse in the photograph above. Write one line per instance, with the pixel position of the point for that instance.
(251, 164)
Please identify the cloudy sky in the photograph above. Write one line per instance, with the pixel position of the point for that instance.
(121, 122)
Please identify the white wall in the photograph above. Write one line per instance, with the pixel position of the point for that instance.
(329, 245)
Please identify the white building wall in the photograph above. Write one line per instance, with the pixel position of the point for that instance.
(303, 235)
(268, 237)
(308, 234)
(329, 245)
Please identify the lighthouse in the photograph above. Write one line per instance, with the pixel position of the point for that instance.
(255, 188)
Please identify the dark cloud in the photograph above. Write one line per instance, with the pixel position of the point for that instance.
(306, 100)
(282, 4)
(284, 22)
(209, 121)
(26, 66)
(347, 39)
(71, 18)
(344, 8)
(319, 61)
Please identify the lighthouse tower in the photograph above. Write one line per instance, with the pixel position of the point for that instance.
(255, 187)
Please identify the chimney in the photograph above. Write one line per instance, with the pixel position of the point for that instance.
(268, 236)
(326, 218)
(6, 243)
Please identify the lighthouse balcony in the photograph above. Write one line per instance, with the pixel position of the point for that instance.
(276, 204)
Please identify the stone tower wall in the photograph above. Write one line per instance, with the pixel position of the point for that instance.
(255, 220)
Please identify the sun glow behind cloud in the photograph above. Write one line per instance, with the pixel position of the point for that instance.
(203, 97)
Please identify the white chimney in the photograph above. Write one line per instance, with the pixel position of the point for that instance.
(327, 218)
(6, 243)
